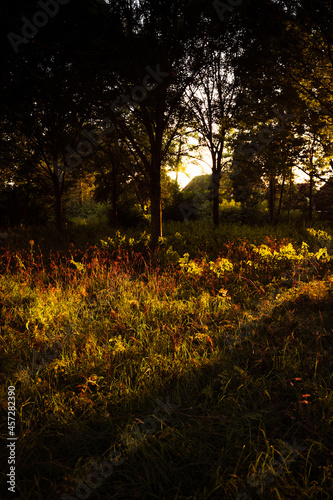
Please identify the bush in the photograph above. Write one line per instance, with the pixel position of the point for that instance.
(129, 216)
(88, 214)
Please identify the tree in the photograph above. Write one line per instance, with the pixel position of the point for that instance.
(212, 102)
(308, 45)
(270, 109)
(24, 195)
(115, 169)
(314, 159)
(161, 41)
(47, 95)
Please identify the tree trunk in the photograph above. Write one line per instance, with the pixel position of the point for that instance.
(114, 197)
(27, 219)
(58, 207)
(114, 211)
(58, 180)
(272, 200)
(156, 207)
(155, 189)
(311, 196)
(290, 192)
(281, 195)
(80, 194)
(216, 197)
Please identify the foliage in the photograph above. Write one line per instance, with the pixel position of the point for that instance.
(90, 338)
(100, 318)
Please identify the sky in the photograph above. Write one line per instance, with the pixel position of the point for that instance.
(192, 170)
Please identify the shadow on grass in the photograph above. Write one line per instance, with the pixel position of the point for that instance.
(237, 407)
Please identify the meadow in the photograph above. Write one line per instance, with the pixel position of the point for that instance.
(202, 370)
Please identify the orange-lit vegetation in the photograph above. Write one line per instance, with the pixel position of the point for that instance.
(236, 331)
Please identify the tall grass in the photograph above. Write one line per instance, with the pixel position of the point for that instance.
(239, 337)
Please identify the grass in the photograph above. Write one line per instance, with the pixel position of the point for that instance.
(239, 338)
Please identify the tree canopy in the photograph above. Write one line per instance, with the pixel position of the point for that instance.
(113, 89)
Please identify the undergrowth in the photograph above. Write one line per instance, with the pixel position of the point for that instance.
(235, 328)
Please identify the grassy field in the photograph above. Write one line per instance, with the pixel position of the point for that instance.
(200, 371)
